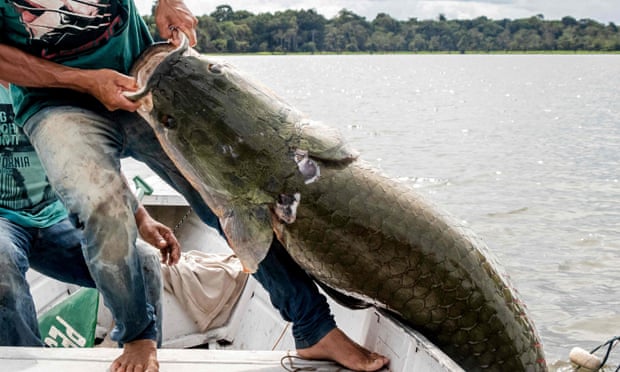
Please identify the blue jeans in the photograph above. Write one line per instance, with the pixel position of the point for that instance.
(55, 251)
(81, 151)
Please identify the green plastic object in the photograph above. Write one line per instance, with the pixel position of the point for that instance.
(142, 187)
(72, 322)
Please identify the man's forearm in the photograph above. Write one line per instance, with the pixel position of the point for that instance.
(21, 68)
(105, 85)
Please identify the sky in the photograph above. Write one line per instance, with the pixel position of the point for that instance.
(603, 11)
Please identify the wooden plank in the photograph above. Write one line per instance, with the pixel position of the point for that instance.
(30, 359)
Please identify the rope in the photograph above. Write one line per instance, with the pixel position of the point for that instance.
(176, 227)
(610, 345)
(281, 336)
(291, 367)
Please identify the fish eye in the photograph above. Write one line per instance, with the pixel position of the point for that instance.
(214, 68)
(168, 121)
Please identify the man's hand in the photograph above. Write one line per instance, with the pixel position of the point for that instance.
(108, 86)
(158, 235)
(172, 15)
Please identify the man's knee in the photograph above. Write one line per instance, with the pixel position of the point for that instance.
(147, 253)
(150, 260)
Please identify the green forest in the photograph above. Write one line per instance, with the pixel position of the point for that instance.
(292, 31)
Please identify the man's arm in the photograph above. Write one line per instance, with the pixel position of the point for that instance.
(21, 68)
(106, 85)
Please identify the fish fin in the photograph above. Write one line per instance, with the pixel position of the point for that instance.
(325, 143)
(249, 234)
(343, 298)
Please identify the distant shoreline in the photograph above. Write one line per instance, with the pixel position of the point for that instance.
(228, 31)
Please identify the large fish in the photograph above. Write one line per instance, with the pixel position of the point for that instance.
(267, 170)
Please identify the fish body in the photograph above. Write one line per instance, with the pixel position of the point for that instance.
(267, 170)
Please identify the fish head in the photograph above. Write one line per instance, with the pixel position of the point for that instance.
(240, 145)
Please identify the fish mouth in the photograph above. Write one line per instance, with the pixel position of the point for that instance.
(148, 62)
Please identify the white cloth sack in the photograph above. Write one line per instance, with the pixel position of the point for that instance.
(206, 285)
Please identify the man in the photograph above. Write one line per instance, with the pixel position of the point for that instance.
(69, 64)
(36, 231)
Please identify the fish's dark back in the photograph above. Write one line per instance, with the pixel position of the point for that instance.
(363, 233)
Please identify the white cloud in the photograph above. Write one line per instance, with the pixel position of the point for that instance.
(472, 9)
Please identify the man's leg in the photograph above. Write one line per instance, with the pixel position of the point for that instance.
(296, 296)
(18, 319)
(57, 253)
(80, 152)
(150, 263)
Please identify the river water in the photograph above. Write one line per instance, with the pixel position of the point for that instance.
(523, 148)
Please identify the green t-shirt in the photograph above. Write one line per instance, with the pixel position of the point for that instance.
(89, 35)
(26, 197)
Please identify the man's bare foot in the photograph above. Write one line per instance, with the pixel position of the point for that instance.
(138, 356)
(337, 347)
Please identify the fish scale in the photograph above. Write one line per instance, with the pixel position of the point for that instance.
(356, 230)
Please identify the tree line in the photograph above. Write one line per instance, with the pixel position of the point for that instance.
(229, 31)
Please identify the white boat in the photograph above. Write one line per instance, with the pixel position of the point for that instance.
(253, 337)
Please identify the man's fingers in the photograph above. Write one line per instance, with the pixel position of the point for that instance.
(129, 105)
(191, 35)
(175, 256)
(175, 36)
(170, 250)
(123, 104)
(126, 82)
